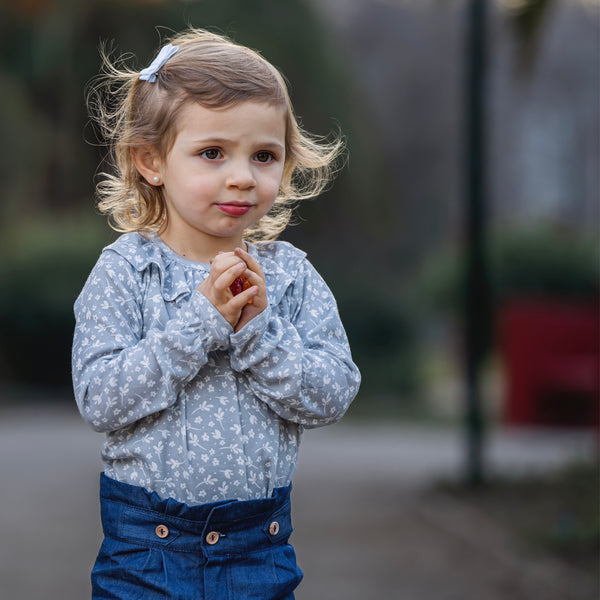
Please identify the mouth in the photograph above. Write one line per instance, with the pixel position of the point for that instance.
(234, 209)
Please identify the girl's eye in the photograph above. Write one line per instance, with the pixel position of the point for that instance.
(211, 154)
(264, 157)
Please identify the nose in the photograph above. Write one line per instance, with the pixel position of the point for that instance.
(240, 176)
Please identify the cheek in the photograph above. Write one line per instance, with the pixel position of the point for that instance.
(199, 186)
(271, 185)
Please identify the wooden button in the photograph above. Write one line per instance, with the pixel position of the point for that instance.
(162, 531)
(274, 528)
(212, 538)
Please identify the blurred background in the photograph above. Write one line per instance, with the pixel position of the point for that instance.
(461, 242)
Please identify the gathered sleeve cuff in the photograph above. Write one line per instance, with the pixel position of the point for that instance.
(300, 367)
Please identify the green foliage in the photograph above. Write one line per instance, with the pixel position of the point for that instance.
(535, 262)
(49, 263)
(543, 262)
(527, 18)
(382, 336)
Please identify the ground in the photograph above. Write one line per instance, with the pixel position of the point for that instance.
(376, 507)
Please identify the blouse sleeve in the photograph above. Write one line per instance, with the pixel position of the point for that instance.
(301, 366)
(120, 373)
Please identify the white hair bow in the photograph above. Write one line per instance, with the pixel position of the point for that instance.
(149, 73)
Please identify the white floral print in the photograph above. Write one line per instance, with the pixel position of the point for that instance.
(192, 410)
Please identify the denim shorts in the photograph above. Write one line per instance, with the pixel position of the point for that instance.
(157, 549)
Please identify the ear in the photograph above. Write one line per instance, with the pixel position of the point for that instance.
(146, 161)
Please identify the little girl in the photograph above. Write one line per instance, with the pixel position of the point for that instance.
(203, 347)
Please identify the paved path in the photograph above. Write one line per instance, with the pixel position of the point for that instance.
(358, 536)
(364, 538)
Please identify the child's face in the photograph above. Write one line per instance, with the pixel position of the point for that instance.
(223, 172)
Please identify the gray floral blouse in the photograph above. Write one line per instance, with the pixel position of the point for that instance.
(192, 410)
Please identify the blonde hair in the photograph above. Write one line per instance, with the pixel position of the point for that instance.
(215, 72)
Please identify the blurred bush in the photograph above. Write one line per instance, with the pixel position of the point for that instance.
(49, 262)
(532, 262)
(546, 263)
(382, 336)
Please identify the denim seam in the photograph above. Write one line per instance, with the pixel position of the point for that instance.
(158, 515)
(267, 513)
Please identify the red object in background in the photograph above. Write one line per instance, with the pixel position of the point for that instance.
(551, 353)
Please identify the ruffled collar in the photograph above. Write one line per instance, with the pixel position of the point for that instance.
(280, 262)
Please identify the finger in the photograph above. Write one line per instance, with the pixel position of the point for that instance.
(253, 278)
(221, 264)
(227, 277)
(212, 259)
(222, 257)
(250, 261)
(246, 297)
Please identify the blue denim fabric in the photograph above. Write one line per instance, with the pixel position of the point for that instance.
(157, 549)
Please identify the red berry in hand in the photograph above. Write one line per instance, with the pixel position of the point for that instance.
(239, 285)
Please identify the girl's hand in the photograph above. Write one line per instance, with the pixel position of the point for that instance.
(225, 267)
(256, 278)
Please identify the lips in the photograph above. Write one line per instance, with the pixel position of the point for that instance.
(233, 209)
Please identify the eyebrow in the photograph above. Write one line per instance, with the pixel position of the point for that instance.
(223, 141)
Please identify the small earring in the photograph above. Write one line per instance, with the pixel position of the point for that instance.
(156, 179)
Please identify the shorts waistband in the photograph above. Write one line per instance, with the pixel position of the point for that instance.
(230, 527)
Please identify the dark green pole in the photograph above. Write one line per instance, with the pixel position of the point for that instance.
(477, 297)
